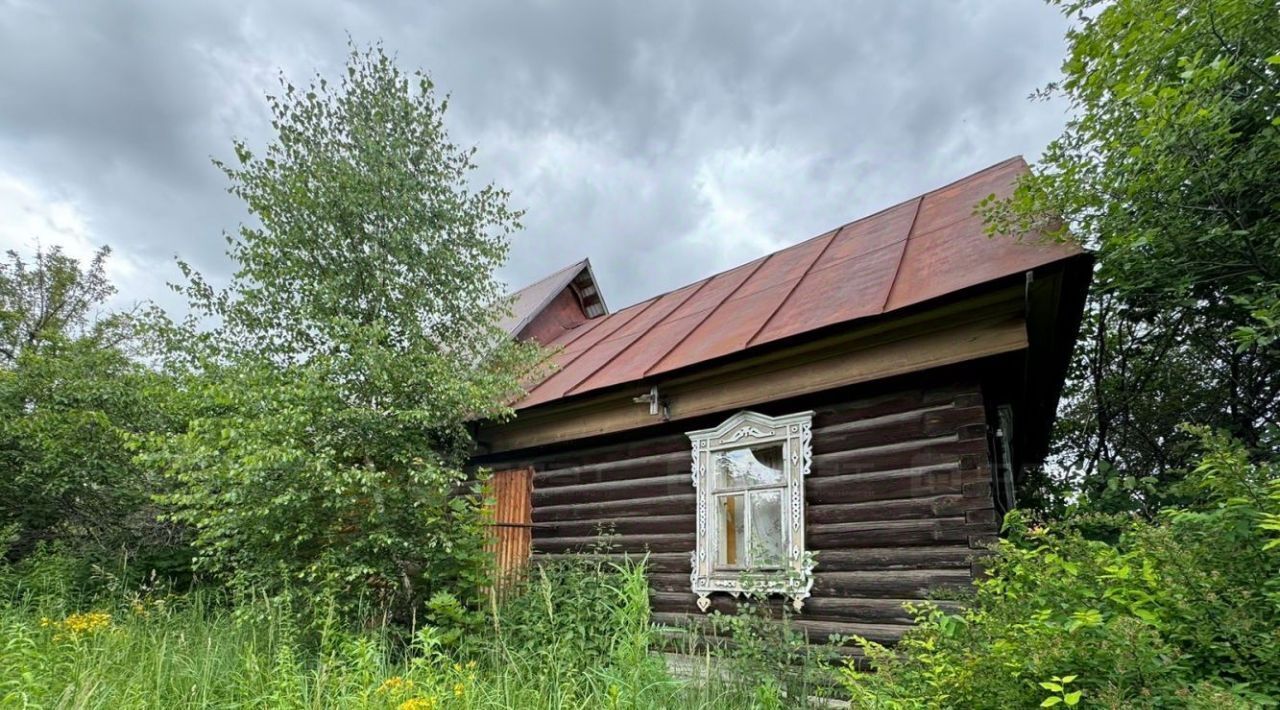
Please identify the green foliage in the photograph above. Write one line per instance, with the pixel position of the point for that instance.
(1179, 612)
(70, 400)
(576, 614)
(1170, 171)
(161, 650)
(761, 642)
(286, 509)
(328, 408)
(53, 298)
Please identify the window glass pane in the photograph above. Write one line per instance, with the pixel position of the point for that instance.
(730, 528)
(749, 466)
(767, 549)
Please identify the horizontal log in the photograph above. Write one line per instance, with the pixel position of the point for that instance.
(920, 424)
(872, 407)
(908, 509)
(892, 584)
(815, 631)
(969, 453)
(628, 449)
(848, 610)
(622, 527)
(617, 470)
(881, 533)
(881, 611)
(630, 544)
(904, 483)
(629, 507)
(890, 558)
(959, 394)
(824, 631)
(614, 490)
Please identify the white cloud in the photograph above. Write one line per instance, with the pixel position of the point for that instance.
(31, 219)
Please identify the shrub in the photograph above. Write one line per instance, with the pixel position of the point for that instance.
(1178, 612)
(71, 398)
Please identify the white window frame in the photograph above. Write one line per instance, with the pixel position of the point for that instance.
(795, 578)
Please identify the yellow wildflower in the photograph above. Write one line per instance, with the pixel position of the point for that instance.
(471, 665)
(395, 684)
(427, 703)
(85, 623)
(458, 690)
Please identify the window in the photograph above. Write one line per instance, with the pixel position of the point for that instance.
(749, 475)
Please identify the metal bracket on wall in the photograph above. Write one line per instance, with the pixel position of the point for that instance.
(657, 405)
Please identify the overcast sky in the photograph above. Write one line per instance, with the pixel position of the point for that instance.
(665, 140)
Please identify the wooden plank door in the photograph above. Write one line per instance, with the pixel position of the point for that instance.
(511, 531)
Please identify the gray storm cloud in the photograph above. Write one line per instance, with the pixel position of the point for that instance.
(666, 141)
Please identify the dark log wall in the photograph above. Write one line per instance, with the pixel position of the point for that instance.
(898, 500)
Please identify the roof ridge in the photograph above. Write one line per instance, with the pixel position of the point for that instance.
(974, 174)
(577, 264)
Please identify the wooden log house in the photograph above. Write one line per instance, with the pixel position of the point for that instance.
(841, 423)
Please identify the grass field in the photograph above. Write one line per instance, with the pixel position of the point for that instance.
(195, 650)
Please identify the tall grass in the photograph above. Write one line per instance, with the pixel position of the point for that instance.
(574, 636)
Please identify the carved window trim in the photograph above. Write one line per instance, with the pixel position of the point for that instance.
(795, 578)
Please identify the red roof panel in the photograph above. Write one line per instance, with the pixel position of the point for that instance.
(658, 341)
(831, 294)
(562, 380)
(732, 325)
(920, 249)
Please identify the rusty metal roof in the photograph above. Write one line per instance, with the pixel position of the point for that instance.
(926, 247)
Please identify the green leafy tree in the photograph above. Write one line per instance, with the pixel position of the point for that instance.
(1170, 171)
(71, 397)
(329, 407)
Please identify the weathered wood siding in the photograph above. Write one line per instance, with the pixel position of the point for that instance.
(898, 499)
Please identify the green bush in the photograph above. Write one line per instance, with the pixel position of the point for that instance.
(71, 399)
(267, 477)
(1184, 611)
